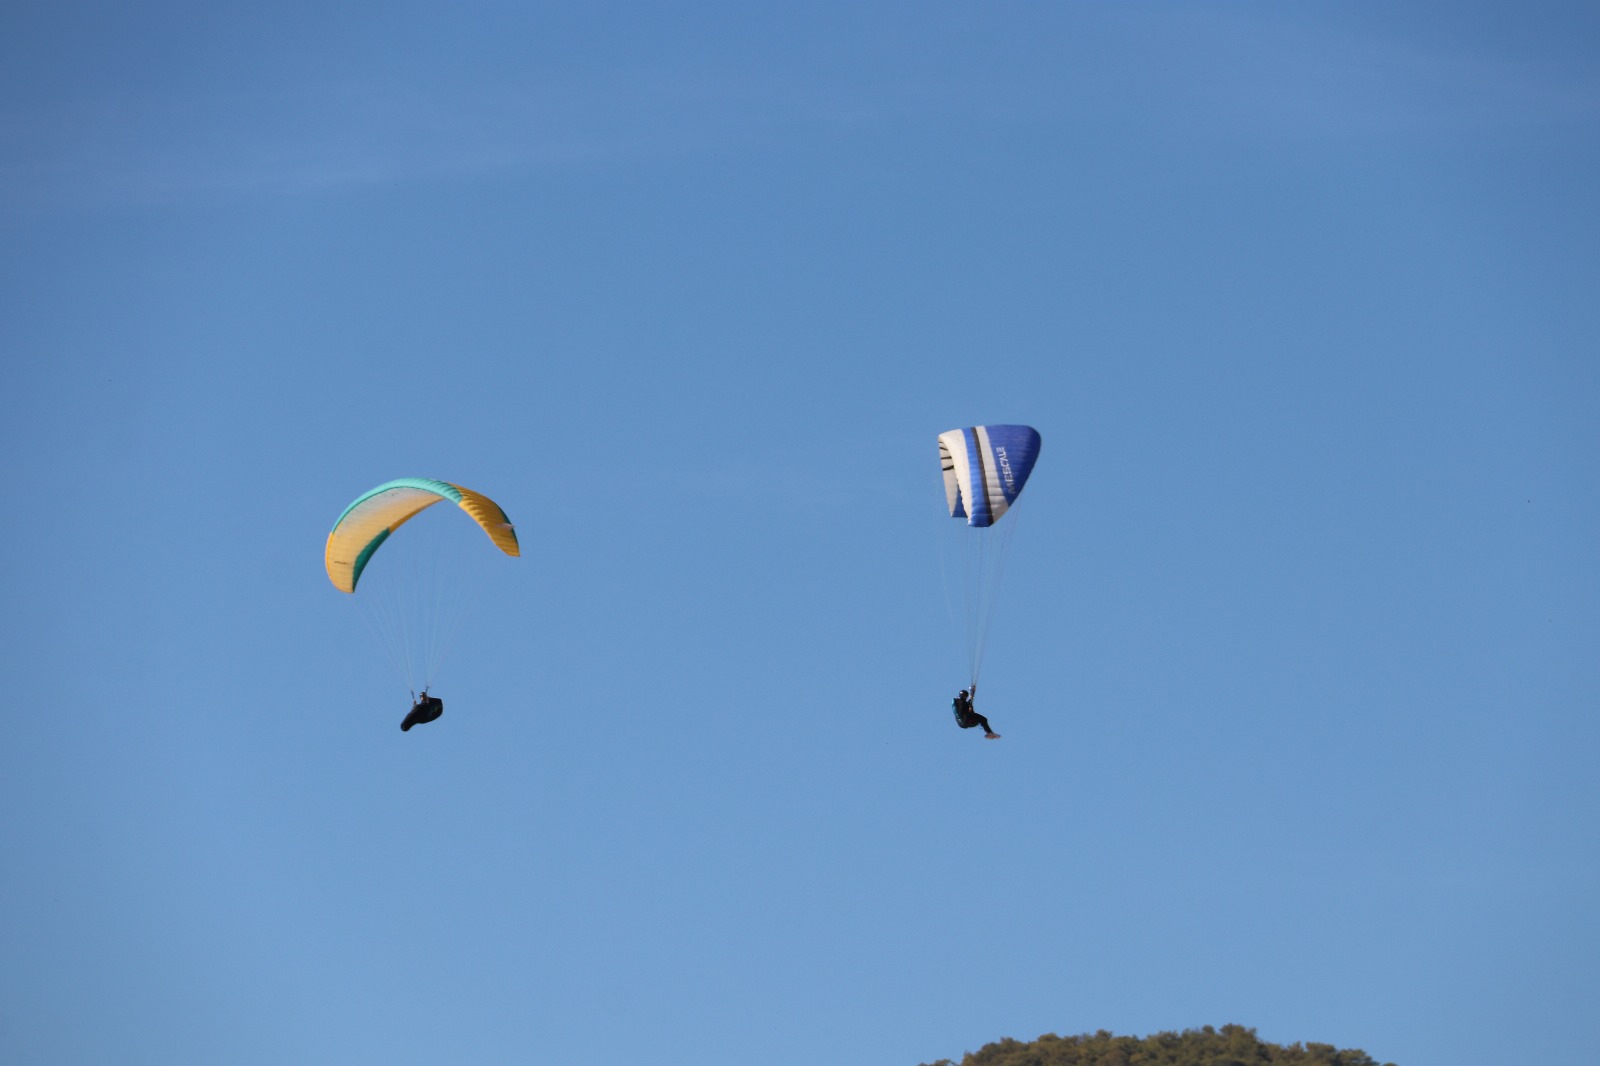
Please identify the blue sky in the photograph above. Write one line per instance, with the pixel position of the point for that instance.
(1295, 657)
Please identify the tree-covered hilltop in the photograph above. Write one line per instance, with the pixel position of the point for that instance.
(1232, 1045)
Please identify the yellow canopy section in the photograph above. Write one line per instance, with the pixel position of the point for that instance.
(374, 515)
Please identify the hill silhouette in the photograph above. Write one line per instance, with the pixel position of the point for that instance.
(1232, 1045)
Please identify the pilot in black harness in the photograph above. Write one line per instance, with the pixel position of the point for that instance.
(966, 717)
(427, 709)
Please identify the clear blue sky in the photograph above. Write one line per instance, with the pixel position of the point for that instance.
(1296, 663)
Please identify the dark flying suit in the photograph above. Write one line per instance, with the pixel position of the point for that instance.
(428, 709)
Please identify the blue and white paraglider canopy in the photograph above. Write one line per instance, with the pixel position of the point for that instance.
(985, 468)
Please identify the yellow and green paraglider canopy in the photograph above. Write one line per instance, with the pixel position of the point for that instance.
(375, 514)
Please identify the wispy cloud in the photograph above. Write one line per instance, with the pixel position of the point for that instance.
(1211, 72)
(155, 150)
(1291, 78)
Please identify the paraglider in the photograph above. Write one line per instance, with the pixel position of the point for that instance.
(377, 513)
(967, 717)
(426, 709)
(411, 611)
(985, 469)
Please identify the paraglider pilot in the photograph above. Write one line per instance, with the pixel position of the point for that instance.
(427, 709)
(966, 717)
